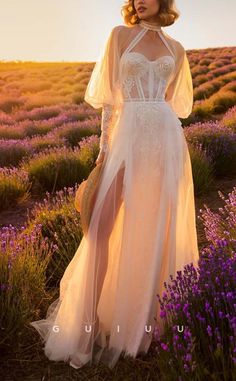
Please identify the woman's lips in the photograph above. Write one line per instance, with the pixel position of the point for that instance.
(140, 10)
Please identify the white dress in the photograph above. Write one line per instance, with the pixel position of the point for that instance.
(154, 231)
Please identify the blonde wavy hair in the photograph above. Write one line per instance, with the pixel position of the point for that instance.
(167, 13)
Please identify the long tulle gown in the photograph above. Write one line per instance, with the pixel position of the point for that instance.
(142, 227)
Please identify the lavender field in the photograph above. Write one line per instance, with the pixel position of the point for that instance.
(49, 141)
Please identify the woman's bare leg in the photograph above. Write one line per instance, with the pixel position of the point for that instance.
(108, 215)
(109, 212)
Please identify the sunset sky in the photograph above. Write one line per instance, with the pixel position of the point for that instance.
(75, 30)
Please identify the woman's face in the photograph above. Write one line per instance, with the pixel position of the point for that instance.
(147, 9)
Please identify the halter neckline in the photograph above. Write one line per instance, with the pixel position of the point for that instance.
(149, 25)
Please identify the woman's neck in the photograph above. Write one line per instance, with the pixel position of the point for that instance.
(150, 24)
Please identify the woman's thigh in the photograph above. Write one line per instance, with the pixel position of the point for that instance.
(111, 205)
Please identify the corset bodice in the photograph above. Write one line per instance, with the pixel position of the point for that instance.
(142, 79)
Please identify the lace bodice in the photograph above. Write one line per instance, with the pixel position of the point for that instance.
(142, 79)
(127, 72)
(161, 65)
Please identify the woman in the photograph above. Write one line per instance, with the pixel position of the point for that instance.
(142, 227)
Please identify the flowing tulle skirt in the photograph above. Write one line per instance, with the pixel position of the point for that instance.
(153, 235)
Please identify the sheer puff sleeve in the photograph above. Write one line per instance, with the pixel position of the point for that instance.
(179, 92)
(101, 88)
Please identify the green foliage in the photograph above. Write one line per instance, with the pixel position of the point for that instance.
(202, 170)
(60, 224)
(23, 261)
(54, 169)
(14, 187)
(7, 104)
(218, 103)
(74, 134)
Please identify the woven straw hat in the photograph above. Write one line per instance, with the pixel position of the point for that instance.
(85, 196)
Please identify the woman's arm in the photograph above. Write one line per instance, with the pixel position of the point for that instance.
(107, 124)
(107, 116)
